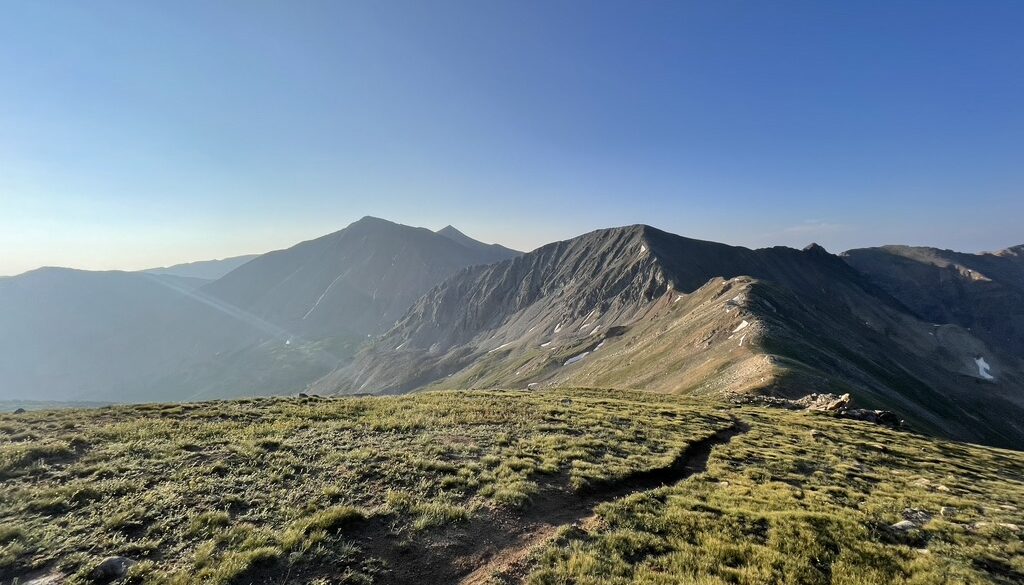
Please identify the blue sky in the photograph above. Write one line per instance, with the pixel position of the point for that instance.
(135, 134)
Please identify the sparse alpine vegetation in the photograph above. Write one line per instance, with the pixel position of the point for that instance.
(501, 485)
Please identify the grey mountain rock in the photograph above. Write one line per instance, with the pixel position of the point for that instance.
(636, 307)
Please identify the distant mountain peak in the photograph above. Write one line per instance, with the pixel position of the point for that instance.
(369, 222)
(1011, 251)
(498, 251)
(370, 219)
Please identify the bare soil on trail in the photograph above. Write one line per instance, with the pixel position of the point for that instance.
(495, 547)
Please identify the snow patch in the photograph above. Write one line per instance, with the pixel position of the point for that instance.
(503, 345)
(401, 345)
(742, 338)
(741, 326)
(558, 328)
(600, 345)
(594, 330)
(575, 358)
(983, 368)
(545, 344)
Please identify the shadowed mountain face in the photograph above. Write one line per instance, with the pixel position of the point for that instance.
(982, 292)
(637, 307)
(357, 281)
(272, 325)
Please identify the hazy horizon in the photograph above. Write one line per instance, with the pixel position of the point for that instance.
(793, 237)
(139, 135)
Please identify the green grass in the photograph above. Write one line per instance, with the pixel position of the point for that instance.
(804, 498)
(264, 490)
(232, 491)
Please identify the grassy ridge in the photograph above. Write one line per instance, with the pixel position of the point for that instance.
(803, 498)
(233, 491)
(264, 490)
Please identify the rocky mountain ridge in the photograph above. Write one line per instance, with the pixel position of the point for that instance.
(636, 307)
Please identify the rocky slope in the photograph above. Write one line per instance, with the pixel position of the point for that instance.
(636, 307)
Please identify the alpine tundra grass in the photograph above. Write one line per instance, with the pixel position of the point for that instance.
(356, 490)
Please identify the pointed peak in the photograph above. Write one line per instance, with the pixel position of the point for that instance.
(815, 248)
(450, 230)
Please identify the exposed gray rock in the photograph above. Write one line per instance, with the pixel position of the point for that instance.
(111, 569)
(830, 403)
(918, 517)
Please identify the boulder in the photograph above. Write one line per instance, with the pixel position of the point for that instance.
(837, 404)
(918, 517)
(111, 569)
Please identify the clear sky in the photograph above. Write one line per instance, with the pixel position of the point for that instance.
(145, 133)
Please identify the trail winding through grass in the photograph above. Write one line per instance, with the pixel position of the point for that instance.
(505, 557)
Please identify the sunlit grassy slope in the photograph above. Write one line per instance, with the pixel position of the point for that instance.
(803, 498)
(318, 490)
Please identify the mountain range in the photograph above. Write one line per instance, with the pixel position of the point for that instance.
(934, 335)
(203, 270)
(270, 324)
